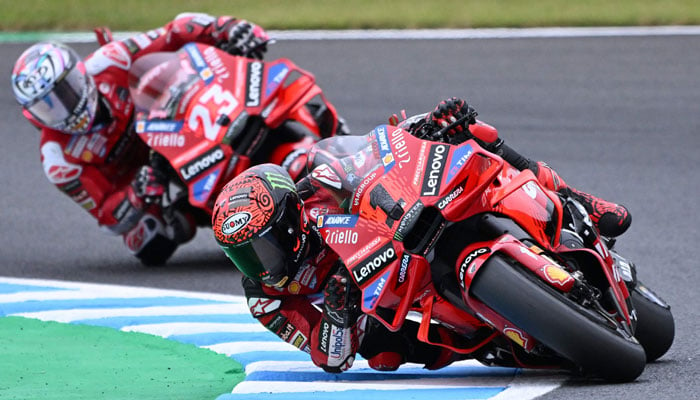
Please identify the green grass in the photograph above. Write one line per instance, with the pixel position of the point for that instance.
(54, 361)
(131, 15)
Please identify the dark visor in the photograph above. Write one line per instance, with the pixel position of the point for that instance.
(62, 101)
(262, 259)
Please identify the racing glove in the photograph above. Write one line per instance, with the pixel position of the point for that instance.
(447, 112)
(340, 332)
(245, 39)
(149, 184)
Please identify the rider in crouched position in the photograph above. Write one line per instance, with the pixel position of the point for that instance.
(266, 225)
(84, 111)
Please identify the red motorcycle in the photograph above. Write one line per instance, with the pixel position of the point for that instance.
(208, 115)
(461, 237)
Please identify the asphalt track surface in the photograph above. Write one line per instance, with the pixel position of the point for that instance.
(618, 117)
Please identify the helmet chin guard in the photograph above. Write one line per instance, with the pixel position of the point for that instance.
(260, 224)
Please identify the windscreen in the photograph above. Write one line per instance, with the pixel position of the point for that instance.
(157, 82)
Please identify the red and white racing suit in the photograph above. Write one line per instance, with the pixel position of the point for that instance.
(96, 169)
(291, 312)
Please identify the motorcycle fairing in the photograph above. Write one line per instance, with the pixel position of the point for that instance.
(418, 189)
(194, 102)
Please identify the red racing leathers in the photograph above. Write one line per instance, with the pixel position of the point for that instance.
(96, 169)
(296, 312)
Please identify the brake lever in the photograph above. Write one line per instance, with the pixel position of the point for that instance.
(439, 135)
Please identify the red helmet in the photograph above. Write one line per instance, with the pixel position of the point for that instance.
(259, 222)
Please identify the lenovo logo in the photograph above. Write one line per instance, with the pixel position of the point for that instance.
(254, 77)
(434, 169)
(374, 263)
(194, 168)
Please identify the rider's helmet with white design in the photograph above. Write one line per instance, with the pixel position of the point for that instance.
(50, 81)
(259, 222)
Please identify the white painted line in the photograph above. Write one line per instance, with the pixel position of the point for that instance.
(522, 388)
(192, 328)
(335, 386)
(526, 384)
(491, 33)
(80, 289)
(92, 313)
(405, 34)
(231, 348)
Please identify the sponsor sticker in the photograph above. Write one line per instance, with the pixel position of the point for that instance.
(434, 169)
(400, 148)
(516, 335)
(374, 263)
(165, 140)
(557, 275)
(199, 165)
(325, 174)
(261, 306)
(198, 62)
(275, 76)
(459, 158)
(341, 236)
(156, 126)
(408, 220)
(235, 222)
(403, 269)
(202, 188)
(254, 84)
(337, 221)
(468, 260)
(373, 291)
(387, 157)
(445, 201)
(298, 340)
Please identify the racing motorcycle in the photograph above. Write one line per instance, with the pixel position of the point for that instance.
(207, 115)
(459, 236)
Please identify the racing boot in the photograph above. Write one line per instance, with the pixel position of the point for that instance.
(611, 219)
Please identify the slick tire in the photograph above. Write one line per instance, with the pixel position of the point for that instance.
(570, 330)
(655, 327)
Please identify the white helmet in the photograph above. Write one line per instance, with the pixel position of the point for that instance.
(50, 81)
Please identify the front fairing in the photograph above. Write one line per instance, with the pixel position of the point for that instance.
(404, 191)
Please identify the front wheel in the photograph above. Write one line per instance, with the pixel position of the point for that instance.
(572, 331)
(655, 327)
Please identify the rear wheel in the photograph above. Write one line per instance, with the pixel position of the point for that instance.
(578, 334)
(655, 327)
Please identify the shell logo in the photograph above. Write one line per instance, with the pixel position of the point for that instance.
(516, 336)
(557, 275)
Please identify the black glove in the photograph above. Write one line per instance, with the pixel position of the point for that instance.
(149, 184)
(449, 111)
(245, 39)
(341, 302)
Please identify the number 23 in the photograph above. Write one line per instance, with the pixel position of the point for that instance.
(200, 112)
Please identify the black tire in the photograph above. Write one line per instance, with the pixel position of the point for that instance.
(571, 331)
(655, 327)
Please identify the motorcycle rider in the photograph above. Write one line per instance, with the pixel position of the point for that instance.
(266, 225)
(88, 146)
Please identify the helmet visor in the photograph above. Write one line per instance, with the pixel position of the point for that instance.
(68, 97)
(264, 258)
